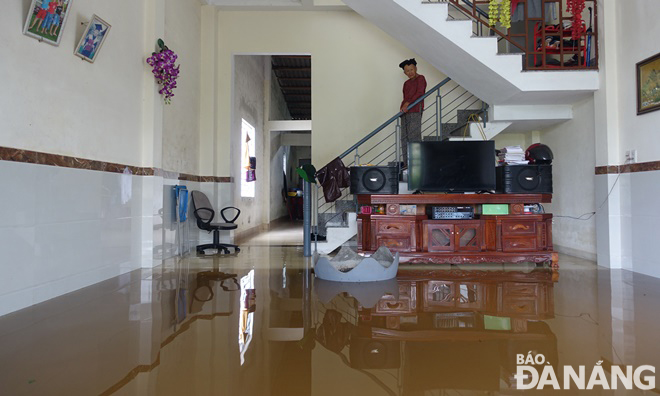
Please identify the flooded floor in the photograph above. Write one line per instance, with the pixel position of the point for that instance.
(258, 323)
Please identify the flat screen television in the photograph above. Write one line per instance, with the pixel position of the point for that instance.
(451, 167)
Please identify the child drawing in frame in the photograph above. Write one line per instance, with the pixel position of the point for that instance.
(92, 39)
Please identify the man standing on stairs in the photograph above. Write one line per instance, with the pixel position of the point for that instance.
(411, 121)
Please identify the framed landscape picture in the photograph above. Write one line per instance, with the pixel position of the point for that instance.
(46, 19)
(92, 40)
(648, 85)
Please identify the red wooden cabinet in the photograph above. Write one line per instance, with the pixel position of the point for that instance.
(516, 237)
(394, 232)
(450, 236)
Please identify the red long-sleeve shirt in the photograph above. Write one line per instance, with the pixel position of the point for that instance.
(412, 90)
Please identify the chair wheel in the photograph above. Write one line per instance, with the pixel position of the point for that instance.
(225, 251)
(201, 252)
(236, 250)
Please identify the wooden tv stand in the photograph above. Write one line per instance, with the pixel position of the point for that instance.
(512, 238)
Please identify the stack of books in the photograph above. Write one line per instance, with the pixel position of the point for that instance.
(511, 155)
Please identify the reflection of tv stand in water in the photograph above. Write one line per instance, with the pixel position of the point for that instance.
(510, 238)
(445, 326)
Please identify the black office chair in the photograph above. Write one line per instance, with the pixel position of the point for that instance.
(204, 214)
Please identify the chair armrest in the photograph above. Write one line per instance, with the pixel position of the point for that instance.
(210, 218)
(222, 213)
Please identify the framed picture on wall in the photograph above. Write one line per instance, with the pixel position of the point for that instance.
(46, 19)
(648, 85)
(92, 40)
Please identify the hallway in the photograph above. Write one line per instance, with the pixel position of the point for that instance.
(188, 328)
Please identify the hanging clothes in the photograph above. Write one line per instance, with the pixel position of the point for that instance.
(333, 177)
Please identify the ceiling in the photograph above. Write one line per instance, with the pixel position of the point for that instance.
(255, 2)
(279, 4)
(294, 75)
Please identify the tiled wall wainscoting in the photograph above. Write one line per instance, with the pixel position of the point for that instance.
(627, 226)
(64, 228)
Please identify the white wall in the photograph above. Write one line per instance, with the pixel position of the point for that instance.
(248, 103)
(573, 182)
(637, 25)
(278, 108)
(62, 229)
(52, 101)
(278, 111)
(510, 139)
(277, 204)
(181, 117)
(69, 228)
(624, 226)
(356, 81)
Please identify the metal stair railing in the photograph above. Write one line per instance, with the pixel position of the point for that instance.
(382, 145)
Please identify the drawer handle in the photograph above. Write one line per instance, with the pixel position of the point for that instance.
(520, 227)
(520, 244)
(391, 228)
(393, 305)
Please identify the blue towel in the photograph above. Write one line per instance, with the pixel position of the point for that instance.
(181, 193)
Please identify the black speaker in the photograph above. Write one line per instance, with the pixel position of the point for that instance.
(374, 180)
(367, 353)
(524, 179)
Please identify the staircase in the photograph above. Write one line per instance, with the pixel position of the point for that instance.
(473, 62)
(448, 115)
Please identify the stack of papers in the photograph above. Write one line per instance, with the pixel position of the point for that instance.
(512, 155)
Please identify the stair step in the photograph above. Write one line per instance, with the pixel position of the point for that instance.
(336, 225)
(345, 205)
(454, 129)
(336, 236)
(326, 220)
(460, 132)
(433, 138)
(464, 115)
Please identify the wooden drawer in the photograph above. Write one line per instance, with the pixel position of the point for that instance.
(519, 244)
(406, 303)
(519, 306)
(516, 289)
(393, 227)
(387, 305)
(520, 227)
(396, 243)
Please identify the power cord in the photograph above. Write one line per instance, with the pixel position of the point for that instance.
(591, 214)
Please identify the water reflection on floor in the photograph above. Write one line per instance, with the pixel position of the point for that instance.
(258, 323)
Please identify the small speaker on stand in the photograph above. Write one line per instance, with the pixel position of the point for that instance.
(374, 180)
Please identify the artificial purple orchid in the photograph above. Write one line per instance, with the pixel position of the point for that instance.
(165, 71)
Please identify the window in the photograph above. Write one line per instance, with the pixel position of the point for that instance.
(247, 150)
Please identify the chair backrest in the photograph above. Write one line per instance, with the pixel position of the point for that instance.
(201, 201)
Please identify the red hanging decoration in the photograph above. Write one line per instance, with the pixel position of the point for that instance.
(576, 7)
